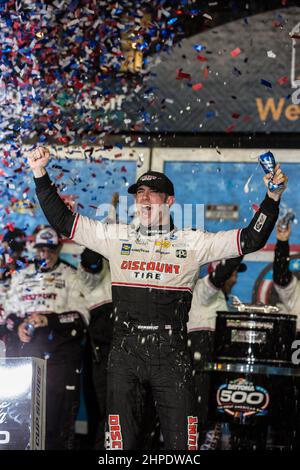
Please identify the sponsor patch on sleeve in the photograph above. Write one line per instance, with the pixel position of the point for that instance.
(260, 222)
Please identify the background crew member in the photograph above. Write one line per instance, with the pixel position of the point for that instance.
(210, 296)
(12, 246)
(94, 276)
(286, 284)
(46, 318)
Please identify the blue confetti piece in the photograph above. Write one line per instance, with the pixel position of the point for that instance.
(199, 47)
(266, 83)
(210, 114)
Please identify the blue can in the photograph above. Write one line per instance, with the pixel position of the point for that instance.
(268, 163)
(29, 327)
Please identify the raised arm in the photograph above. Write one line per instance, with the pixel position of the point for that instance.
(85, 231)
(282, 275)
(232, 243)
(255, 236)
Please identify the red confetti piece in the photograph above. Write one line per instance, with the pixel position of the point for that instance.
(197, 86)
(123, 169)
(10, 227)
(182, 75)
(255, 207)
(118, 155)
(206, 71)
(7, 210)
(63, 140)
(235, 115)
(202, 58)
(283, 80)
(235, 52)
(230, 128)
(58, 177)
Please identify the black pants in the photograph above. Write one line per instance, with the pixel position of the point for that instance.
(201, 346)
(62, 403)
(160, 361)
(99, 377)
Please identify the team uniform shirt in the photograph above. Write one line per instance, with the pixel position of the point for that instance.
(96, 287)
(153, 276)
(286, 284)
(207, 300)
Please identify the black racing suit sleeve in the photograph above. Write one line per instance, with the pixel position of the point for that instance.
(91, 261)
(223, 271)
(12, 322)
(255, 236)
(282, 275)
(67, 323)
(57, 213)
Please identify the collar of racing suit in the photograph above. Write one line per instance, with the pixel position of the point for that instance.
(38, 267)
(160, 229)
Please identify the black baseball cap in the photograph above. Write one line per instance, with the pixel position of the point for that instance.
(16, 239)
(155, 180)
(242, 268)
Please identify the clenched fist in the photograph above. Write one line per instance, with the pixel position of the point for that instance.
(37, 160)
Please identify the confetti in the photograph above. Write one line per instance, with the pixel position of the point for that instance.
(235, 52)
(199, 47)
(197, 86)
(283, 80)
(182, 75)
(266, 83)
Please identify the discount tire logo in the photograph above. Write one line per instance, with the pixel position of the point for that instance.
(242, 398)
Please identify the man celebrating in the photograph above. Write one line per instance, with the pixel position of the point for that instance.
(154, 268)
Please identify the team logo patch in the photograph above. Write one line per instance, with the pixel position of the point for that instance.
(260, 222)
(181, 253)
(163, 244)
(114, 437)
(60, 284)
(126, 248)
(192, 432)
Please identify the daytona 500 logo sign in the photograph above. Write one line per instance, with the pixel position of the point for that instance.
(242, 398)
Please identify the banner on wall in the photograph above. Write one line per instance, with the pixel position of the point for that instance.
(242, 76)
